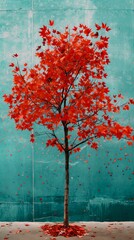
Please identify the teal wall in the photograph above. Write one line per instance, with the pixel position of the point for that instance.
(32, 177)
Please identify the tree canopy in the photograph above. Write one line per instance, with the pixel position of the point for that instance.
(68, 87)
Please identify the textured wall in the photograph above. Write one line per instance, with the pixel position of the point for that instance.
(32, 178)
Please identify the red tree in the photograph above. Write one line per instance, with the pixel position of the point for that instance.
(67, 89)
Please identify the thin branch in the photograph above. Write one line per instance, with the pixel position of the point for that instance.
(42, 133)
(63, 98)
(81, 142)
(53, 134)
(74, 141)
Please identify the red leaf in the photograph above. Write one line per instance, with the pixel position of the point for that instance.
(97, 27)
(16, 69)
(129, 143)
(51, 142)
(105, 75)
(126, 107)
(39, 47)
(43, 31)
(94, 145)
(54, 31)
(94, 35)
(75, 28)
(108, 28)
(103, 25)
(32, 138)
(77, 150)
(100, 44)
(51, 22)
(70, 129)
(27, 224)
(11, 65)
(131, 100)
(8, 98)
(24, 69)
(120, 96)
(15, 55)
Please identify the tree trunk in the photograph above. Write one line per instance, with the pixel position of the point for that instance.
(66, 190)
(66, 193)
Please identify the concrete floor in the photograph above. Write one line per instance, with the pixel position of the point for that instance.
(96, 231)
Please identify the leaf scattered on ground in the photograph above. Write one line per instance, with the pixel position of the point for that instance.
(60, 230)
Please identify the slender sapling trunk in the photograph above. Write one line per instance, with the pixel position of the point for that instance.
(66, 190)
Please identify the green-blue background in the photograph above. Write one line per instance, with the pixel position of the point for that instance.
(32, 177)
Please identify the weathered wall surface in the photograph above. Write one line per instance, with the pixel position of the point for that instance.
(32, 177)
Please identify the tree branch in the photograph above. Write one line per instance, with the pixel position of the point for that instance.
(53, 134)
(85, 140)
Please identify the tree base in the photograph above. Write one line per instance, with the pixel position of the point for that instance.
(60, 230)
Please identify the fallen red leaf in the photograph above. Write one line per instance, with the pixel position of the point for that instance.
(60, 230)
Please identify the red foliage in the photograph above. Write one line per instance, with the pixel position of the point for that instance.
(51, 22)
(15, 55)
(32, 138)
(60, 230)
(68, 88)
(11, 65)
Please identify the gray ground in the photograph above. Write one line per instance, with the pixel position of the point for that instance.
(96, 231)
